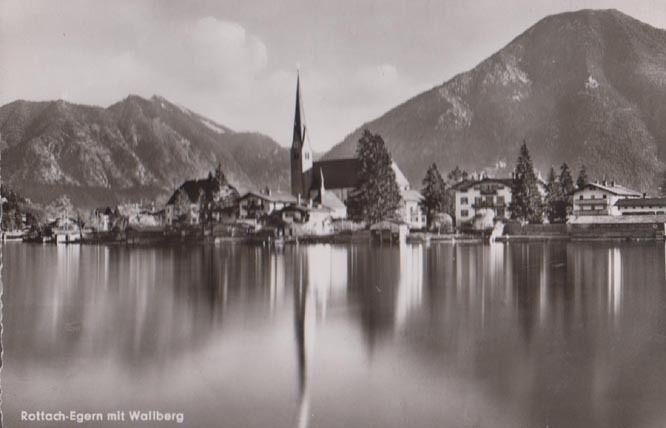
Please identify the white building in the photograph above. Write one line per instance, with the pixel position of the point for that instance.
(601, 199)
(257, 204)
(491, 193)
(486, 193)
(641, 206)
(300, 221)
(411, 211)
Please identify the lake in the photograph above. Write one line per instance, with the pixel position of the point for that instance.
(505, 335)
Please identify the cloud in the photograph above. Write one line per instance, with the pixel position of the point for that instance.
(228, 45)
(96, 53)
(208, 53)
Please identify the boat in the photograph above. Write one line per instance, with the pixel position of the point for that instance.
(13, 235)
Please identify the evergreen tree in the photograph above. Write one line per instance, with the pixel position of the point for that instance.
(435, 194)
(220, 178)
(224, 194)
(456, 175)
(553, 197)
(377, 196)
(582, 179)
(182, 205)
(525, 197)
(205, 202)
(567, 187)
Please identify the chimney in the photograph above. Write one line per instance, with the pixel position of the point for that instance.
(612, 182)
(299, 199)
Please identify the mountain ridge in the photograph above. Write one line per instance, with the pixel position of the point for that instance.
(585, 87)
(134, 148)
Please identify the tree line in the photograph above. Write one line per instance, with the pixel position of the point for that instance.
(377, 196)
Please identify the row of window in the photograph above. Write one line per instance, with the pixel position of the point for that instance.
(500, 212)
(486, 199)
(592, 197)
(645, 207)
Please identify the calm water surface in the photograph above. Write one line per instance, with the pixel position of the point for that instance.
(517, 335)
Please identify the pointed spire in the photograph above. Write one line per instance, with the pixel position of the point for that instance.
(299, 117)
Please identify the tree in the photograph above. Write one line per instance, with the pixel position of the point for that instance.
(553, 197)
(567, 187)
(220, 178)
(435, 194)
(525, 197)
(377, 196)
(182, 205)
(456, 175)
(582, 179)
(205, 202)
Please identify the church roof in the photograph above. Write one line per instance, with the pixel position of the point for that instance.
(344, 173)
(338, 173)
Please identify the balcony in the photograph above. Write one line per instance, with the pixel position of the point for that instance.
(485, 204)
(592, 202)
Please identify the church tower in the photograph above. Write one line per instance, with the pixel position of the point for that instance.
(301, 152)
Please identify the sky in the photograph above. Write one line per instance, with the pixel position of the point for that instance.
(235, 61)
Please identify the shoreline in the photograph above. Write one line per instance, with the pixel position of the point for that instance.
(339, 238)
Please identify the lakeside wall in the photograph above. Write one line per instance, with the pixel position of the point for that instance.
(606, 230)
(617, 231)
(537, 230)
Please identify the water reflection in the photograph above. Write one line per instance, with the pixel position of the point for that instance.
(503, 335)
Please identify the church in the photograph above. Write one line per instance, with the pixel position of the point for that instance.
(328, 183)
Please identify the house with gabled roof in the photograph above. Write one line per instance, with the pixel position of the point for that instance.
(641, 206)
(185, 203)
(255, 205)
(485, 193)
(600, 198)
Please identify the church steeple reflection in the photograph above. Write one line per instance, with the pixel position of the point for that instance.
(302, 327)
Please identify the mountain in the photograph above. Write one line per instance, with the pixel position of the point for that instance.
(585, 87)
(136, 148)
